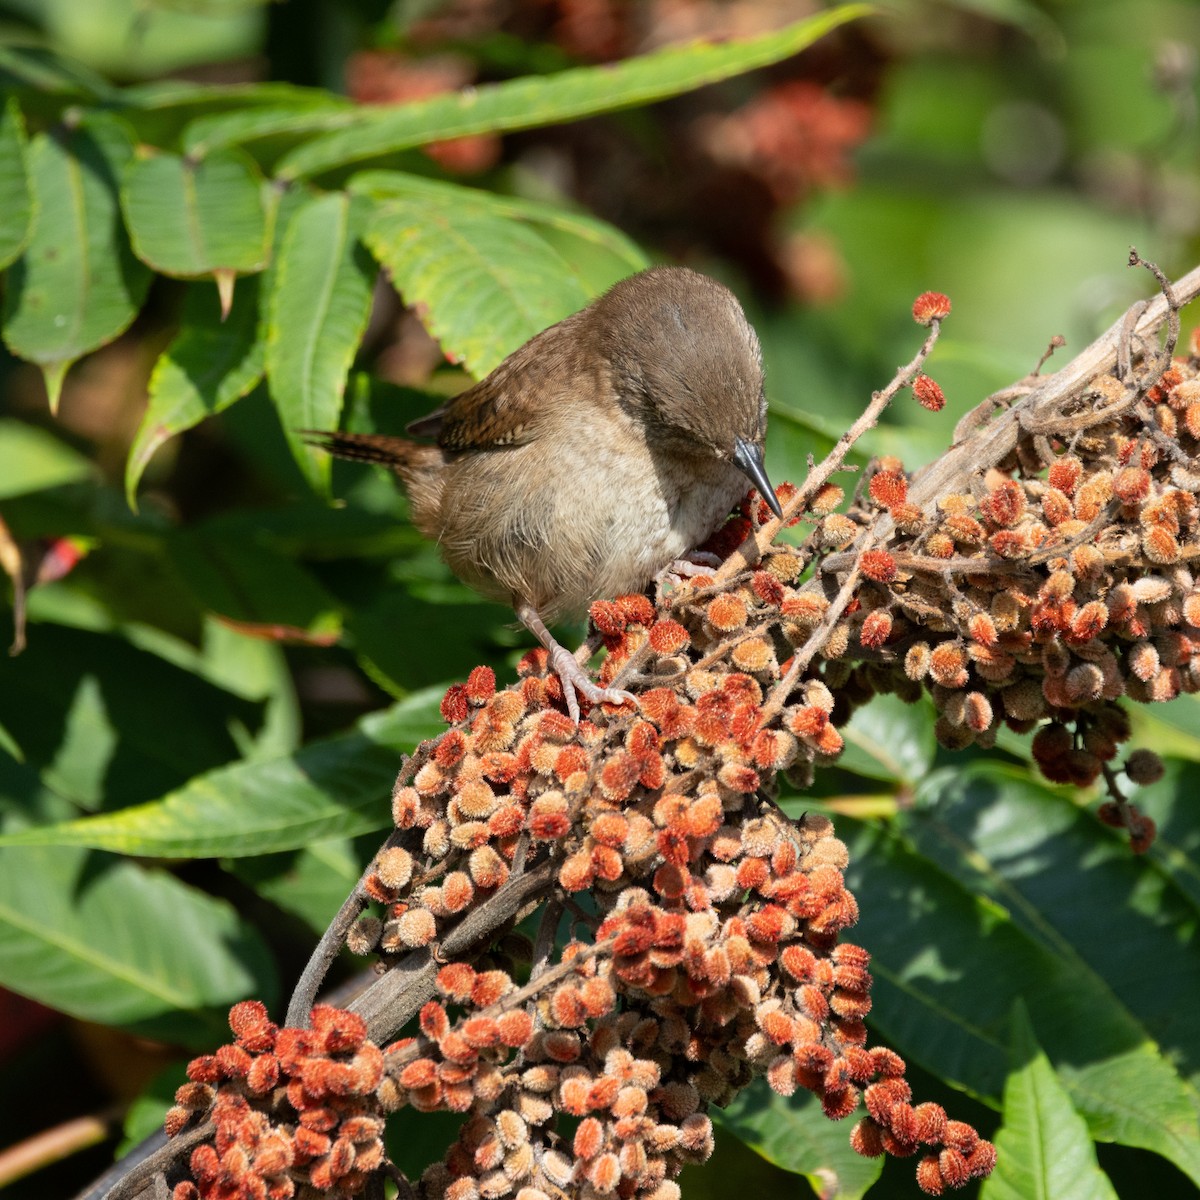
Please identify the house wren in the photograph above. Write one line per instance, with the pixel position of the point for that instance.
(593, 457)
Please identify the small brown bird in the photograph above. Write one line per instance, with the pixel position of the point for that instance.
(592, 458)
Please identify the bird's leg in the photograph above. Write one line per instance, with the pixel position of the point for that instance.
(697, 562)
(562, 663)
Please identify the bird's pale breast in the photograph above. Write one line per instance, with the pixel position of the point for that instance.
(596, 516)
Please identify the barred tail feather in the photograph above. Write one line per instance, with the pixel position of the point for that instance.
(394, 452)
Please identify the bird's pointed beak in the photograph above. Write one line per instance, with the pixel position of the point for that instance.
(748, 458)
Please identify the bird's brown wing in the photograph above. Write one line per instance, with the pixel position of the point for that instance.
(488, 415)
(507, 407)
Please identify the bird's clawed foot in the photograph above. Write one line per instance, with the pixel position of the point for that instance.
(575, 683)
(698, 562)
(574, 678)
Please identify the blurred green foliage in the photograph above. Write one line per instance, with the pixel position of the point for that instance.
(222, 669)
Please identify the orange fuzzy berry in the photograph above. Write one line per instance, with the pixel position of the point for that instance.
(754, 654)
(929, 307)
(767, 588)
(457, 891)
(929, 1176)
(726, 613)
(668, 637)
(929, 395)
(486, 867)
(1132, 485)
(837, 531)
(888, 489)
(866, 1139)
(481, 685)
(739, 777)
(577, 872)
(456, 980)
(778, 1026)
(1065, 474)
(878, 565)
(876, 629)
(454, 706)
(948, 665)
(549, 817)
(1057, 507)
(515, 1028)
(1004, 505)
(983, 629)
(450, 749)
(636, 609)
(619, 775)
(1010, 543)
(607, 618)
(1161, 546)
(940, 545)
(490, 987)
(1089, 621)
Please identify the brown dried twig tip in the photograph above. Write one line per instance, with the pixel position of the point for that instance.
(1034, 576)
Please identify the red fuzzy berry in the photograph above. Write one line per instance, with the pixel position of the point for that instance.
(929, 307)
(928, 394)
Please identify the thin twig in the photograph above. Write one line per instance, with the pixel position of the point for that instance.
(751, 550)
(161, 1160)
(543, 944)
(55, 1144)
(299, 1010)
(812, 646)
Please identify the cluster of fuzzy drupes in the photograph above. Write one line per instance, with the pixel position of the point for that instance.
(295, 1111)
(702, 947)
(1060, 586)
(707, 950)
(687, 936)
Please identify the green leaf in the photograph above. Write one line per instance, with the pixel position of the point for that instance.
(318, 308)
(794, 1134)
(255, 669)
(148, 1110)
(42, 70)
(87, 709)
(214, 132)
(160, 109)
(206, 8)
(171, 94)
(189, 218)
(210, 364)
(1173, 729)
(338, 787)
(1176, 850)
(33, 459)
(888, 739)
(310, 882)
(566, 96)
(112, 942)
(488, 271)
(1043, 1151)
(77, 286)
(987, 825)
(424, 655)
(948, 966)
(399, 185)
(487, 284)
(244, 578)
(16, 198)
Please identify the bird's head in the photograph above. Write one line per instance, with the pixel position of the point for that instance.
(688, 364)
